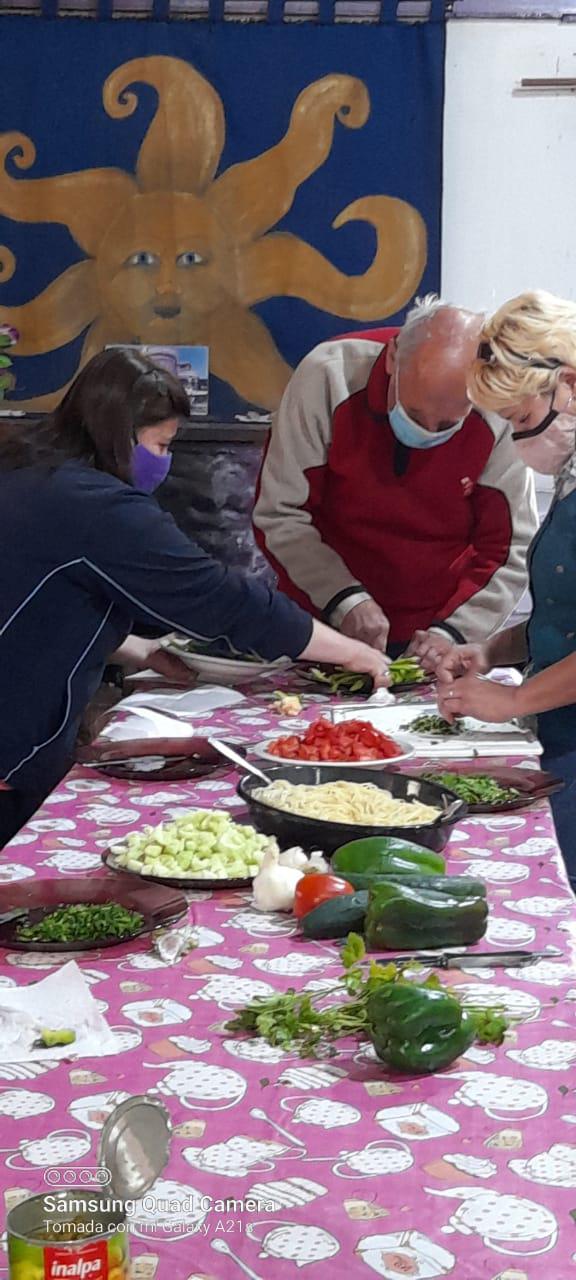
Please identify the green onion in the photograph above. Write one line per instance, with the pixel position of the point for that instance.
(83, 922)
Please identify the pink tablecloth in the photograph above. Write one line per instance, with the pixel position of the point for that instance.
(469, 1174)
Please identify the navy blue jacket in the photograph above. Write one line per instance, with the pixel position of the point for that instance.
(552, 627)
(85, 560)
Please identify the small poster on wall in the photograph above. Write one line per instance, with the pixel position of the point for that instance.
(189, 364)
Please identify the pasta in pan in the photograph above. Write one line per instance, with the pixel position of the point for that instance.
(359, 803)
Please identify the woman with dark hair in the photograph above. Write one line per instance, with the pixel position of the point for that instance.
(88, 556)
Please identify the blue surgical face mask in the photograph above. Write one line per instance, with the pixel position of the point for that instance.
(411, 433)
(149, 470)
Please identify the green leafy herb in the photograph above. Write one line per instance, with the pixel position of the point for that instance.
(435, 726)
(353, 950)
(491, 1025)
(474, 788)
(301, 1020)
(83, 922)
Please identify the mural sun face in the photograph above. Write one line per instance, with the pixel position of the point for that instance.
(163, 268)
(177, 255)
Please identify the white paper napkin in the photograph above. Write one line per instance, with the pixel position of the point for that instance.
(381, 698)
(62, 1001)
(140, 715)
(506, 675)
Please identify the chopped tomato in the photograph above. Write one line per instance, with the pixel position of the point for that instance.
(352, 740)
(318, 887)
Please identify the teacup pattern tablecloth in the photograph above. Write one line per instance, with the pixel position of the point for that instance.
(279, 1164)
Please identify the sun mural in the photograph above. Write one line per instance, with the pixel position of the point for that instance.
(175, 254)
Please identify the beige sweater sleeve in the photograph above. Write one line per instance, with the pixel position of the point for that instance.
(300, 441)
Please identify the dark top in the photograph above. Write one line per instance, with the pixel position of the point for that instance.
(552, 627)
(85, 560)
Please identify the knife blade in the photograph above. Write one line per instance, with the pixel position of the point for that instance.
(6, 917)
(480, 959)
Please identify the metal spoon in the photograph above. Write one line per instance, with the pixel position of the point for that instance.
(450, 810)
(222, 1247)
(259, 1114)
(225, 750)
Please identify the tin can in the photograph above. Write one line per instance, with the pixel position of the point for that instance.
(80, 1234)
(69, 1235)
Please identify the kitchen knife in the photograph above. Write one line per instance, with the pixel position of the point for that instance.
(480, 959)
(6, 917)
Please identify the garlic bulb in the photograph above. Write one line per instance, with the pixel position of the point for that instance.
(274, 887)
(317, 862)
(294, 858)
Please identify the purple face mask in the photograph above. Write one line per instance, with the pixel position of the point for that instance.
(149, 470)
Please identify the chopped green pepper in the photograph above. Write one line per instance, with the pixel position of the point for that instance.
(51, 1038)
(406, 671)
(418, 1029)
(400, 918)
(341, 681)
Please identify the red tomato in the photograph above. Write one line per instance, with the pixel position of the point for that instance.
(318, 887)
(354, 740)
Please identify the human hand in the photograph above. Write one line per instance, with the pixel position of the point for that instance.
(138, 654)
(462, 660)
(484, 699)
(367, 661)
(367, 623)
(430, 648)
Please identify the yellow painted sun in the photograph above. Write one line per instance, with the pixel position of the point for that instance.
(175, 254)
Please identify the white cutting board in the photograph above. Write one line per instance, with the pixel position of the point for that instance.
(478, 739)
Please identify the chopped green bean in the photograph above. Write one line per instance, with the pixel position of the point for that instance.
(435, 726)
(476, 788)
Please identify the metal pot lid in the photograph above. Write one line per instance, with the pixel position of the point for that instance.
(135, 1146)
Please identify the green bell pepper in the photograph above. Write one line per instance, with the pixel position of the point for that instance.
(361, 860)
(400, 918)
(418, 1029)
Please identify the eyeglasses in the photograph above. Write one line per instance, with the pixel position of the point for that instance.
(486, 353)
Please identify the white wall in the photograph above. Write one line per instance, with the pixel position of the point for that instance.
(509, 208)
(509, 215)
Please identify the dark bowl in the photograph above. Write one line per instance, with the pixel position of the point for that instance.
(317, 833)
(158, 906)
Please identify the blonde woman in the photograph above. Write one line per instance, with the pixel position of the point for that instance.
(526, 372)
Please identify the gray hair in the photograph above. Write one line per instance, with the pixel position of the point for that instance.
(422, 313)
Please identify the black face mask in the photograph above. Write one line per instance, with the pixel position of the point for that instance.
(543, 426)
(486, 354)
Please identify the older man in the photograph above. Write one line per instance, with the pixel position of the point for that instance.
(386, 504)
